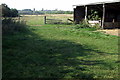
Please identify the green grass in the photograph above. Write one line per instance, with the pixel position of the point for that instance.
(9, 26)
(33, 20)
(60, 51)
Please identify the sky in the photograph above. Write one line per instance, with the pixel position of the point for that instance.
(46, 4)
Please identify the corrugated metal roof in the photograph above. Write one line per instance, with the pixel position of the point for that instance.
(96, 2)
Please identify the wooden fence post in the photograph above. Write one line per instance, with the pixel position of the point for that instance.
(44, 19)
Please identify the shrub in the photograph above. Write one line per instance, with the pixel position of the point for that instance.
(82, 24)
(94, 15)
(97, 26)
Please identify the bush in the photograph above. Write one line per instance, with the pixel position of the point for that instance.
(97, 26)
(10, 26)
(82, 24)
(94, 15)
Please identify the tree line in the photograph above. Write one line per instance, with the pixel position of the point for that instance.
(40, 12)
(8, 12)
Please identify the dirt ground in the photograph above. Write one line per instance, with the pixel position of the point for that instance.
(111, 31)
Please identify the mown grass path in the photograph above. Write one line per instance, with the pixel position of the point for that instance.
(60, 51)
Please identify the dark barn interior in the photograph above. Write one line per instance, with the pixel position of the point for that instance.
(109, 13)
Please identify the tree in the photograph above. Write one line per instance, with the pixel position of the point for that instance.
(94, 15)
(14, 13)
(7, 12)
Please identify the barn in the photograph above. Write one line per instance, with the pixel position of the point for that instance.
(108, 12)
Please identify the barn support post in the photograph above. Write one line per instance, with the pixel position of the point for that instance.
(103, 17)
(86, 10)
(74, 15)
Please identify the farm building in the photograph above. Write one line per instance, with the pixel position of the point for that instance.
(107, 11)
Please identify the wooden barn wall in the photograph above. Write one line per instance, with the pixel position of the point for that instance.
(79, 14)
(111, 25)
(112, 17)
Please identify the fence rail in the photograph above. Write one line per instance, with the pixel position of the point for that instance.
(57, 20)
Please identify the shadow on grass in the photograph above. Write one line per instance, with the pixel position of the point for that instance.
(28, 55)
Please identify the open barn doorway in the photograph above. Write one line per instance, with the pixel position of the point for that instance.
(108, 14)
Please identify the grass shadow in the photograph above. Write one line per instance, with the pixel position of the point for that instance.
(28, 55)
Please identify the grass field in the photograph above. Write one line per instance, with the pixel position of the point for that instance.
(60, 51)
(39, 19)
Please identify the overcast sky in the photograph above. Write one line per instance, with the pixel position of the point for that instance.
(46, 4)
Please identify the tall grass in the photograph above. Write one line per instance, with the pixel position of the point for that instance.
(10, 26)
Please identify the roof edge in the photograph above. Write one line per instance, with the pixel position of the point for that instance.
(96, 3)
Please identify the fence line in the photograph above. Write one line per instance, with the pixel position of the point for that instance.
(58, 20)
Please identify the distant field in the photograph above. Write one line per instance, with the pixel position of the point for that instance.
(39, 19)
(51, 15)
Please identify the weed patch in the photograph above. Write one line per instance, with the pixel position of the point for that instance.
(10, 26)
